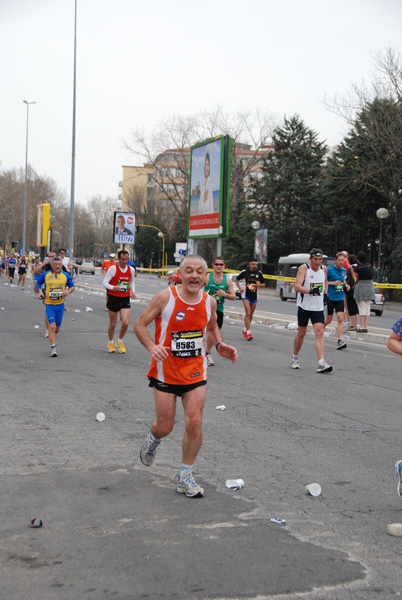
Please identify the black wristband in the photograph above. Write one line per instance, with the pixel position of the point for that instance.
(217, 345)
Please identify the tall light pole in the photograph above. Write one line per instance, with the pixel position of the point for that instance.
(382, 214)
(71, 233)
(160, 235)
(24, 220)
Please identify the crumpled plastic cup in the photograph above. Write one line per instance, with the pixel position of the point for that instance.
(100, 416)
(234, 484)
(314, 489)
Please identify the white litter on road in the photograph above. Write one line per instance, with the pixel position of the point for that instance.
(234, 484)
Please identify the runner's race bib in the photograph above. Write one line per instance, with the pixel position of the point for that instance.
(56, 293)
(219, 299)
(320, 286)
(124, 286)
(186, 343)
(339, 287)
(252, 287)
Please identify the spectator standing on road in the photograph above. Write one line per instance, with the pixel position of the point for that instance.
(56, 283)
(395, 345)
(219, 286)
(351, 302)
(252, 279)
(336, 276)
(119, 282)
(311, 285)
(182, 315)
(364, 290)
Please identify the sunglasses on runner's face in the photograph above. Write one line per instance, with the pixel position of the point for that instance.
(219, 264)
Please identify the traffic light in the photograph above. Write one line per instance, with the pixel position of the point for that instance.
(92, 244)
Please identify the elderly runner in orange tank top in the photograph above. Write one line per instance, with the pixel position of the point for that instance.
(183, 315)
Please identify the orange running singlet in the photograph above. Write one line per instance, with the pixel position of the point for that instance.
(181, 327)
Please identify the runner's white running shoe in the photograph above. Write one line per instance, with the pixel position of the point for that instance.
(210, 360)
(189, 487)
(148, 450)
(325, 368)
(53, 351)
(341, 345)
(294, 363)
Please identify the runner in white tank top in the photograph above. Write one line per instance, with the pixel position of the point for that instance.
(311, 285)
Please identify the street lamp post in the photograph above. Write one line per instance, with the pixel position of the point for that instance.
(24, 220)
(382, 214)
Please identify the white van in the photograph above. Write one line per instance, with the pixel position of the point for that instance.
(287, 267)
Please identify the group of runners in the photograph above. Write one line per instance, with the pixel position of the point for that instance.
(188, 324)
(10, 264)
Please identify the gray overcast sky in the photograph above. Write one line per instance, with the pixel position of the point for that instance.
(141, 60)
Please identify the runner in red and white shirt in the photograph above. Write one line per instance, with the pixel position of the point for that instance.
(119, 282)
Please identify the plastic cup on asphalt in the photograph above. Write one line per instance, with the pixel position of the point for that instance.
(100, 416)
(234, 484)
(314, 489)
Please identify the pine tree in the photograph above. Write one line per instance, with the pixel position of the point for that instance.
(289, 195)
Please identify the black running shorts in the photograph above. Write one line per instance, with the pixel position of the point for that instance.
(116, 303)
(177, 390)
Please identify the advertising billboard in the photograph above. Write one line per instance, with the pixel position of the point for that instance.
(42, 225)
(123, 228)
(209, 188)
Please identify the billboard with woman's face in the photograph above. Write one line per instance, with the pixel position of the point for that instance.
(206, 202)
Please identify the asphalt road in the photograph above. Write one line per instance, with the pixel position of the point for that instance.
(115, 529)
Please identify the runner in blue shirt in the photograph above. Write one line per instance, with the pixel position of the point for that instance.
(336, 275)
(11, 264)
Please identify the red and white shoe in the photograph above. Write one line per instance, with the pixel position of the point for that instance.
(248, 337)
(210, 360)
(244, 334)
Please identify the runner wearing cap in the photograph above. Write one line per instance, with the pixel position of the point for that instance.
(108, 263)
(311, 285)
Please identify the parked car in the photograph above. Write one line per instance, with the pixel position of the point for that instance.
(377, 305)
(87, 266)
(173, 277)
(98, 262)
(77, 261)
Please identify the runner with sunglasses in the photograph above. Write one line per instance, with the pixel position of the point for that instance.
(220, 286)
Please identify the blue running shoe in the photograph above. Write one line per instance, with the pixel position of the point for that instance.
(398, 470)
